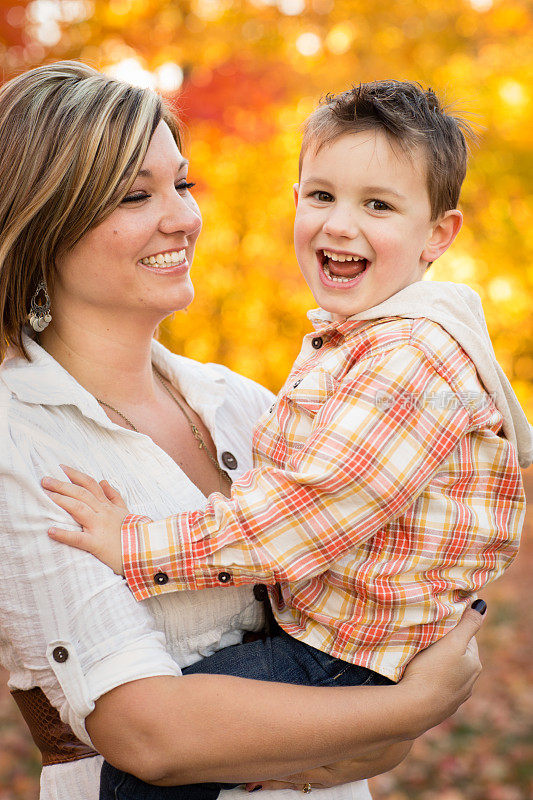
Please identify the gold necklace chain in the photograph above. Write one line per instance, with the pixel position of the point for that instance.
(194, 428)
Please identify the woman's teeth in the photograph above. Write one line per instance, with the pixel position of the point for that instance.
(172, 259)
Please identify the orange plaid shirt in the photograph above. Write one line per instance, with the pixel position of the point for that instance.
(382, 498)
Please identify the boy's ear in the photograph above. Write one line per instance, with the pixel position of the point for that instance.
(296, 192)
(442, 235)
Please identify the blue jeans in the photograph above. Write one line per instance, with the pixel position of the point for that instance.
(277, 658)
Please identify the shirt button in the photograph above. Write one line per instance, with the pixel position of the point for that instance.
(60, 654)
(260, 591)
(161, 578)
(223, 577)
(229, 460)
(317, 342)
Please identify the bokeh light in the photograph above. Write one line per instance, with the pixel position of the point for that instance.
(169, 77)
(132, 71)
(308, 44)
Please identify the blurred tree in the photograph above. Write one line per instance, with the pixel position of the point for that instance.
(244, 74)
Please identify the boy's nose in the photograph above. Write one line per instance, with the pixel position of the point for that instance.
(341, 221)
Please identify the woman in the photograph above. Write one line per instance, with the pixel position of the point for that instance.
(97, 218)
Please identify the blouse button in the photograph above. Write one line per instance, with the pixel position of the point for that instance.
(260, 591)
(60, 654)
(317, 342)
(223, 577)
(161, 578)
(229, 460)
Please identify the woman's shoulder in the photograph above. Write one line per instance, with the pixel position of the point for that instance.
(11, 406)
(31, 429)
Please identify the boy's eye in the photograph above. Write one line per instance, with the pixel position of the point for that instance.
(322, 197)
(379, 205)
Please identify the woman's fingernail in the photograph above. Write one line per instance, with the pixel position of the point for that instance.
(256, 788)
(51, 531)
(46, 482)
(480, 606)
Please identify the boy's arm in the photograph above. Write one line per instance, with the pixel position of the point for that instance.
(375, 445)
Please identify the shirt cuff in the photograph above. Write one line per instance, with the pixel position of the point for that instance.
(158, 558)
(130, 554)
(144, 658)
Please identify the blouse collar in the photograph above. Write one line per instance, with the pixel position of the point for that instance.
(44, 381)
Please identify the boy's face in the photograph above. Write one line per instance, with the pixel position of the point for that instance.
(363, 227)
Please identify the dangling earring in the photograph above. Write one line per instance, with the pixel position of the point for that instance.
(39, 315)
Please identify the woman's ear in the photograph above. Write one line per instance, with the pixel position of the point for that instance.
(442, 234)
(296, 192)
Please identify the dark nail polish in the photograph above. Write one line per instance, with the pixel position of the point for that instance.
(480, 606)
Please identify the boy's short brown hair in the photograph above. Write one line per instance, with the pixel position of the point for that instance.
(409, 115)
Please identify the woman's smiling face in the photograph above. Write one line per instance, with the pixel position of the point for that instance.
(137, 261)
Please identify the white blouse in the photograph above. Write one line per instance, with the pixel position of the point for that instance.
(53, 596)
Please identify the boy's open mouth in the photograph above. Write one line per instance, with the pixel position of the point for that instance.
(341, 267)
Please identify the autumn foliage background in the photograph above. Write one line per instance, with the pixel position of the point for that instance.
(243, 76)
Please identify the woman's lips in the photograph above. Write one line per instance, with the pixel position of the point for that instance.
(167, 269)
(170, 262)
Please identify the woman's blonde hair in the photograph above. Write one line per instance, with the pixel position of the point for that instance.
(71, 141)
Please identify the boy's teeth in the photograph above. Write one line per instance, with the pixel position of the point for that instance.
(341, 256)
(335, 277)
(175, 257)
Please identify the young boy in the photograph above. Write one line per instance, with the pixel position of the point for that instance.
(385, 491)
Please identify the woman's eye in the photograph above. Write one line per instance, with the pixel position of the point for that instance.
(379, 205)
(323, 197)
(133, 198)
(136, 197)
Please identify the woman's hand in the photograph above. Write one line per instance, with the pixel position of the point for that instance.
(439, 679)
(97, 507)
(376, 761)
(442, 677)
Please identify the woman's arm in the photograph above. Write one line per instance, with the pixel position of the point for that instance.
(216, 728)
(374, 761)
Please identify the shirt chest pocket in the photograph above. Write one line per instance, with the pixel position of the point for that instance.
(310, 393)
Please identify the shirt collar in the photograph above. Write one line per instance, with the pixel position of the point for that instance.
(323, 323)
(44, 381)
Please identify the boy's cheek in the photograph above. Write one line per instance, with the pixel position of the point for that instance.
(305, 228)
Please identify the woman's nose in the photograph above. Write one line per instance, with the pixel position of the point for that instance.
(181, 214)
